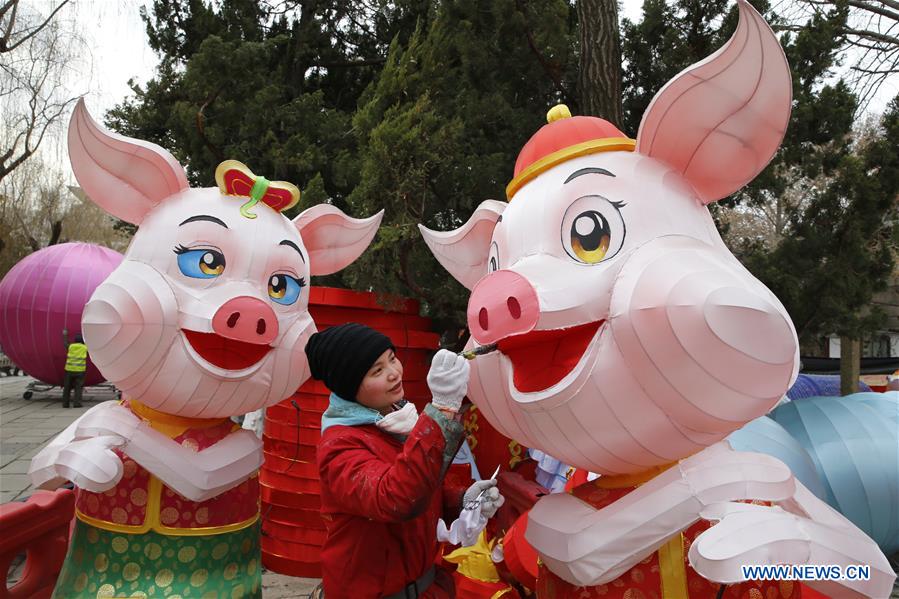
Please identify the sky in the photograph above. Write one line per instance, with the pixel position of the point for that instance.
(118, 40)
(116, 47)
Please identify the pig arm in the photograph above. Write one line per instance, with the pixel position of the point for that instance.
(800, 530)
(196, 475)
(586, 546)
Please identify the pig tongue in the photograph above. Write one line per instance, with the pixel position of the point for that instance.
(229, 354)
(540, 359)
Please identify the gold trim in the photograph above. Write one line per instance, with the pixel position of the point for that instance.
(173, 420)
(605, 144)
(131, 529)
(154, 502)
(672, 570)
(172, 532)
(152, 521)
(622, 481)
(209, 530)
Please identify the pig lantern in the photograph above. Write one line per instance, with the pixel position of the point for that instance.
(631, 341)
(205, 318)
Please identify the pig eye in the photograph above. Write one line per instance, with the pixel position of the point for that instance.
(285, 289)
(592, 230)
(493, 258)
(202, 263)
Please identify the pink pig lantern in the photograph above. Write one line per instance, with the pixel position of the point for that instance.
(205, 317)
(630, 342)
(42, 295)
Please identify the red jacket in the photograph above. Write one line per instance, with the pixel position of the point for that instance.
(381, 499)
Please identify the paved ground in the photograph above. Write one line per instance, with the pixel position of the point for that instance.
(27, 425)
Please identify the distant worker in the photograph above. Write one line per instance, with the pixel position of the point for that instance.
(76, 365)
(893, 381)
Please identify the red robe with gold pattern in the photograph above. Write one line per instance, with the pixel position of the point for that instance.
(141, 502)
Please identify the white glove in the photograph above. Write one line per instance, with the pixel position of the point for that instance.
(464, 530)
(448, 380)
(489, 502)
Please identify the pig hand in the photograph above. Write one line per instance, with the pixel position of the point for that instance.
(718, 473)
(585, 546)
(43, 470)
(91, 463)
(801, 530)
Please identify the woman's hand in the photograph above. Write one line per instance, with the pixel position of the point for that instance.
(448, 380)
(486, 494)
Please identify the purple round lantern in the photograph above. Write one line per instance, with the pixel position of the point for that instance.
(45, 293)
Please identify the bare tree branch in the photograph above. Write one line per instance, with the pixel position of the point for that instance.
(872, 35)
(871, 38)
(201, 126)
(6, 43)
(33, 84)
(873, 8)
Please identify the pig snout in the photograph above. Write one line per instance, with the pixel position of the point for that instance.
(502, 304)
(246, 319)
(712, 343)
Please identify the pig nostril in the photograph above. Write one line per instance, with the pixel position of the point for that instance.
(482, 318)
(514, 307)
(260, 327)
(232, 320)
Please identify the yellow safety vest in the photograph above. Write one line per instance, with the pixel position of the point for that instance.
(76, 360)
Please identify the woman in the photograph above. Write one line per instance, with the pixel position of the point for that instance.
(382, 467)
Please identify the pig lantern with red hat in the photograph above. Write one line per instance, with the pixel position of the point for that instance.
(631, 342)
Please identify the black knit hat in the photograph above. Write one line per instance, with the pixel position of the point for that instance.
(341, 356)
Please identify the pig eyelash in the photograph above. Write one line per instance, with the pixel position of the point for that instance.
(618, 205)
(301, 281)
(183, 249)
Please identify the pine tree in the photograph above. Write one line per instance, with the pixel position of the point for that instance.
(441, 128)
(274, 90)
(842, 242)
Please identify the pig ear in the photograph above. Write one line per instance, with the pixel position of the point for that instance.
(719, 122)
(125, 177)
(464, 251)
(332, 238)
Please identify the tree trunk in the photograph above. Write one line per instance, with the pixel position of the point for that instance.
(599, 76)
(850, 365)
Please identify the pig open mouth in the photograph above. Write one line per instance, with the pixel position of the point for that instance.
(225, 353)
(540, 359)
